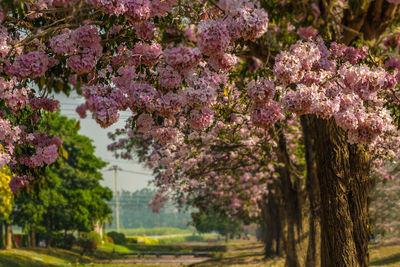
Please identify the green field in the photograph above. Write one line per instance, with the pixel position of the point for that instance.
(157, 231)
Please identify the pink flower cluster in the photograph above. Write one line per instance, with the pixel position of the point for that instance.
(144, 30)
(168, 77)
(169, 104)
(182, 58)
(14, 96)
(146, 54)
(86, 36)
(265, 114)
(160, 8)
(348, 93)
(144, 123)
(63, 44)
(31, 65)
(212, 37)
(142, 96)
(82, 46)
(9, 134)
(223, 62)
(135, 10)
(261, 90)
(201, 119)
(4, 42)
(44, 103)
(166, 135)
(158, 202)
(46, 150)
(18, 182)
(348, 53)
(104, 102)
(249, 23)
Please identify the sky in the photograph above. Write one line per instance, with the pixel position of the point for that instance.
(126, 179)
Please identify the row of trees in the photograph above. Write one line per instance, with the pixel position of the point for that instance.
(241, 107)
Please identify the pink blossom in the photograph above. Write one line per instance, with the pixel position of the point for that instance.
(86, 36)
(182, 58)
(212, 37)
(160, 8)
(144, 123)
(261, 90)
(265, 114)
(168, 77)
(33, 64)
(144, 30)
(201, 119)
(223, 62)
(137, 11)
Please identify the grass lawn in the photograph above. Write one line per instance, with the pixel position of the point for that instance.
(156, 231)
(237, 253)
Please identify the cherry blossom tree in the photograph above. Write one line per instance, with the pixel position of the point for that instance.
(213, 87)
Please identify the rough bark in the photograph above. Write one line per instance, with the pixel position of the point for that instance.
(312, 185)
(360, 186)
(290, 198)
(343, 173)
(8, 236)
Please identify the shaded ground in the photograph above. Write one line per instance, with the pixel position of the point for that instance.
(239, 253)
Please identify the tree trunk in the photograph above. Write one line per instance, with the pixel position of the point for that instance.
(8, 236)
(1, 236)
(290, 197)
(267, 230)
(343, 174)
(32, 238)
(271, 229)
(312, 185)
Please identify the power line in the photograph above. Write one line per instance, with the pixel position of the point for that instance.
(134, 172)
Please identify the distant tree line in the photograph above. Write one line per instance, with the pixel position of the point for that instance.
(134, 212)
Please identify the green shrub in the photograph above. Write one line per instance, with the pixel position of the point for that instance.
(87, 245)
(132, 239)
(94, 236)
(118, 238)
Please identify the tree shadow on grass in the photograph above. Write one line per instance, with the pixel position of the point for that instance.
(387, 260)
(240, 259)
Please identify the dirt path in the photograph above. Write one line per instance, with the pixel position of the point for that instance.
(181, 260)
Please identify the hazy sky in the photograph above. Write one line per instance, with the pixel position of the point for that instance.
(126, 180)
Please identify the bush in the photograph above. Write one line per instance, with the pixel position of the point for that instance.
(87, 245)
(118, 238)
(68, 242)
(141, 240)
(94, 236)
(88, 242)
(132, 239)
(110, 240)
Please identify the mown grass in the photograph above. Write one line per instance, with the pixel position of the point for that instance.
(157, 231)
(40, 257)
(385, 255)
(234, 254)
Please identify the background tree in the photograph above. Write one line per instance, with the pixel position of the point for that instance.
(6, 202)
(70, 197)
(206, 222)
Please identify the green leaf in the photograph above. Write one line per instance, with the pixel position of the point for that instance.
(63, 152)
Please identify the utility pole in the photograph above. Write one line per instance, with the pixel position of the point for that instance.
(115, 168)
